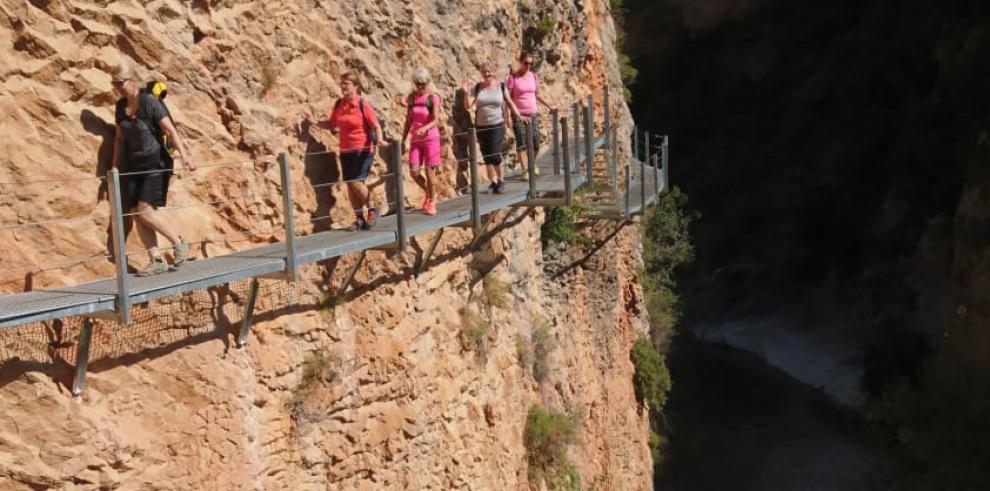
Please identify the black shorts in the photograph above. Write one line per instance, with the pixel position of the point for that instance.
(148, 187)
(356, 165)
(519, 130)
(490, 140)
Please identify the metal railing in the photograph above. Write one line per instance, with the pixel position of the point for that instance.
(569, 149)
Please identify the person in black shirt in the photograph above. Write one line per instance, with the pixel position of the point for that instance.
(140, 117)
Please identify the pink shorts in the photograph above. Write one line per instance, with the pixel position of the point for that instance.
(425, 152)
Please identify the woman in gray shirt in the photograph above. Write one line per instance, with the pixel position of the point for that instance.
(491, 120)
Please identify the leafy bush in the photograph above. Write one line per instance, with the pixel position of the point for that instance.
(543, 28)
(656, 447)
(651, 379)
(561, 224)
(474, 332)
(546, 437)
(524, 352)
(942, 420)
(495, 294)
(666, 246)
(319, 369)
(543, 343)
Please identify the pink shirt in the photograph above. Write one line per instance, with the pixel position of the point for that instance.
(420, 114)
(523, 91)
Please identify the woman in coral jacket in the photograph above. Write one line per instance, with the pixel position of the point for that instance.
(360, 135)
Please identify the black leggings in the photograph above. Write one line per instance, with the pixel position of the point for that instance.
(490, 140)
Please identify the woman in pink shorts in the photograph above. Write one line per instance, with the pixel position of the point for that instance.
(422, 118)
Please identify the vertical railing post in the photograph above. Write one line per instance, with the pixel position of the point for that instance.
(576, 117)
(475, 207)
(555, 129)
(635, 143)
(589, 145)
(288, 215)
(666, 167)
(123, 306)
(642, 171)
(531, 158)
(656, 176)
(82, 356)
(607, 115)
(614, 161)
(628, 192)
(395, 160)
(568, 185)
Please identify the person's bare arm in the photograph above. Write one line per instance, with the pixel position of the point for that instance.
(187, 159)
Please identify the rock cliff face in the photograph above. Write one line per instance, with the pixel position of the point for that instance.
(392, 385)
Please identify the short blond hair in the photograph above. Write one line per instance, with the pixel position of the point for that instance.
(126, 71)
(352, 78)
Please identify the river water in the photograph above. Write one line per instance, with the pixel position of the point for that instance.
(738, 424)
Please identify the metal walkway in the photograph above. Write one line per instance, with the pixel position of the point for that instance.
(567, 164)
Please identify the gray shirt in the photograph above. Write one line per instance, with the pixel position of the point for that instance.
(141, 131)
(490, 101)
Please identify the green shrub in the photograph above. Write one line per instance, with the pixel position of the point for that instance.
(656, 447)
(319, 370)
(495, 293)
(561, 224)
(666, 246)
(544, 28)
(546, 437)
(543, 343)
(942, 421)
(524, 352)
(474, 332)
(616, 4)
(651, 380)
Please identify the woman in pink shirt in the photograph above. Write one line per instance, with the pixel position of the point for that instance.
(524, 87)
(422, 117)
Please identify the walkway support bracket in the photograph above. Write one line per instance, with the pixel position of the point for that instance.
(242, 337)
(349, 277)
(428, 253)
(82, 356)
(288, 215)
(123, 310)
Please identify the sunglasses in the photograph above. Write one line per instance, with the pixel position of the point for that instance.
(528, 62)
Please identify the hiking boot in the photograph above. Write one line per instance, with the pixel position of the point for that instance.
(372, 218)
(524, 175)
(500, 187)
(180, 252)
(156, 266)
(492, 188)
(359, 224)
(536, 170)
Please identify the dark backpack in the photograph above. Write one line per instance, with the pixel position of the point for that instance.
(368, 128)
(159, 91)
